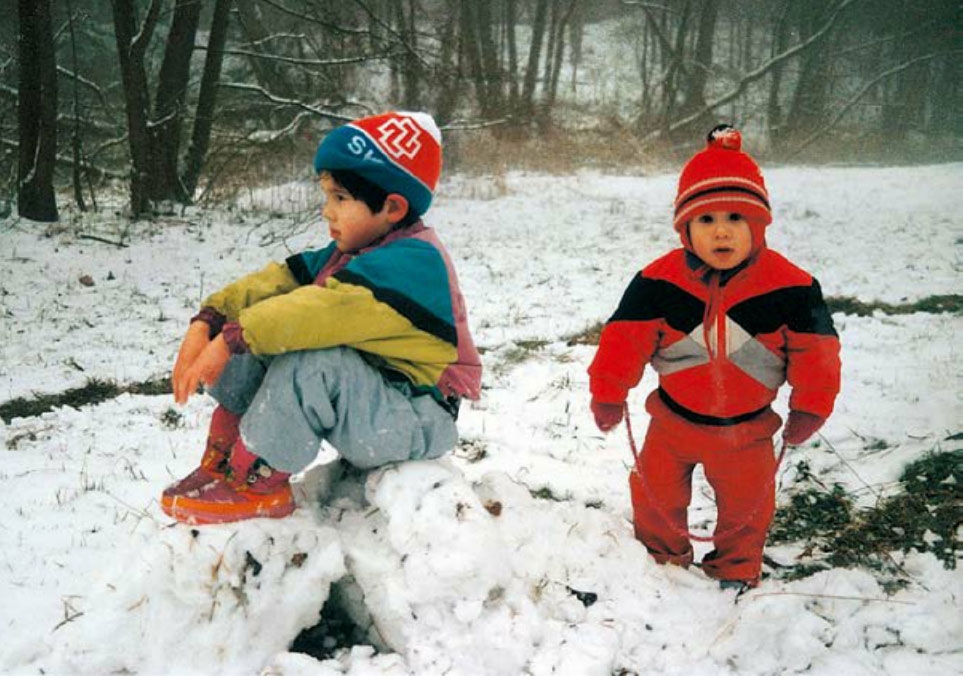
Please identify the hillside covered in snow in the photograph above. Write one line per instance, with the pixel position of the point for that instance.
(514, 554)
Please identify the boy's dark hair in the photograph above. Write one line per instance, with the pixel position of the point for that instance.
(370, 193)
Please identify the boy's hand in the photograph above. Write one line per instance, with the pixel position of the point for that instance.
(195, 341)
(607, 415)
(207, 368)
(801, 426)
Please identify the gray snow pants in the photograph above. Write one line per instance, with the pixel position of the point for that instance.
(291, 402)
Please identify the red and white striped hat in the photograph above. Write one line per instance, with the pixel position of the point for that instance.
(722, 178)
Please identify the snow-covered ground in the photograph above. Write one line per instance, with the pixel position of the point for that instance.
(457, 566)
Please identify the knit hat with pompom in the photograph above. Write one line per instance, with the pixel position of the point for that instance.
(722, 178)
(399, 151)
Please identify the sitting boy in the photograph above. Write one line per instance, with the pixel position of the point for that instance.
(364, 343)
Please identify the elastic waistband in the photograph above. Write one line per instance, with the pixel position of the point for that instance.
(711, 420)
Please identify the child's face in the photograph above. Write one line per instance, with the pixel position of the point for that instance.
(351, 223)
(721, 239)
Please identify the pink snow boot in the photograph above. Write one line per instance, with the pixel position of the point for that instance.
(250, 488)
(222, 435)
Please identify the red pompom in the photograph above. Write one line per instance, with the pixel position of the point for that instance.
(725, 137)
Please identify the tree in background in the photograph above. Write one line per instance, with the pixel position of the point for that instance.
(169, 94)
(207, 97)
(37, 113)
(154, 134)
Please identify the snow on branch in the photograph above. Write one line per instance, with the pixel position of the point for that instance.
(287, 101)
(306, 62)
(140, 41)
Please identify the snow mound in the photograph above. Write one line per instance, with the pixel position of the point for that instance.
(481, 579)
(194, 601)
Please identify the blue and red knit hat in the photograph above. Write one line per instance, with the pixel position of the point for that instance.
(400, 152)
(722, 177)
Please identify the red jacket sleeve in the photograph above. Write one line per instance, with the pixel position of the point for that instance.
(624, 349)
(627, 343)
(813, 357)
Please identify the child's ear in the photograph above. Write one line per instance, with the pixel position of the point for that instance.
(396, 206)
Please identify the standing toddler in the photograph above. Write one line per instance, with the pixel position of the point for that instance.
(724, 321)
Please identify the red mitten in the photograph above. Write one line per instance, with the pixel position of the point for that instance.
(801, 426)
(607, 415)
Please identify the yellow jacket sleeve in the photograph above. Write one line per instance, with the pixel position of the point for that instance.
(338, 314)
(271, 281)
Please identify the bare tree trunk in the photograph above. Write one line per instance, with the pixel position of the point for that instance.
(37, 113)
(267, 74)
(511, 45)
(532, 70)
(171, 101)
(808, 107)
(560, 43)
(696, 72)
(676, 72)
(774, 108)
(75, 139)
(576, 26)
(490, 60)
(412, 67)
(643, 116)
(396, 13)
(447, 70)
(671, 60)
(207, 97)
(471, 49)
(132, 41)
(945, 97)
(702, 64)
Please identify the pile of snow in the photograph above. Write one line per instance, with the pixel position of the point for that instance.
(512, 555)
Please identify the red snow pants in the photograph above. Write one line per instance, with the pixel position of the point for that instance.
(738, 462)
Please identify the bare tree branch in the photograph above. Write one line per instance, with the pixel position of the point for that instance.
(460, 124)
(401, 39)
(67, 161)
(649, 5)
(87, 83)
(287, 101)
(306, 62)
(277, 36)
(315, 20)
(757, 73)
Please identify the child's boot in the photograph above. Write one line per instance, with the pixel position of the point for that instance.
(221, 438)
(250, 488)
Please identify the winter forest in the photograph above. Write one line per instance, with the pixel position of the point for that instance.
(151, 151)
(167, 95)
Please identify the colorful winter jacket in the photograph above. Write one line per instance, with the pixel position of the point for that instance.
(398, 301)
(722, 343)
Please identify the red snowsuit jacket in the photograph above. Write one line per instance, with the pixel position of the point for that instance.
(722, 343)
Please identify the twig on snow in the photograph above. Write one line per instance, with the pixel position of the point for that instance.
(828, 596)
